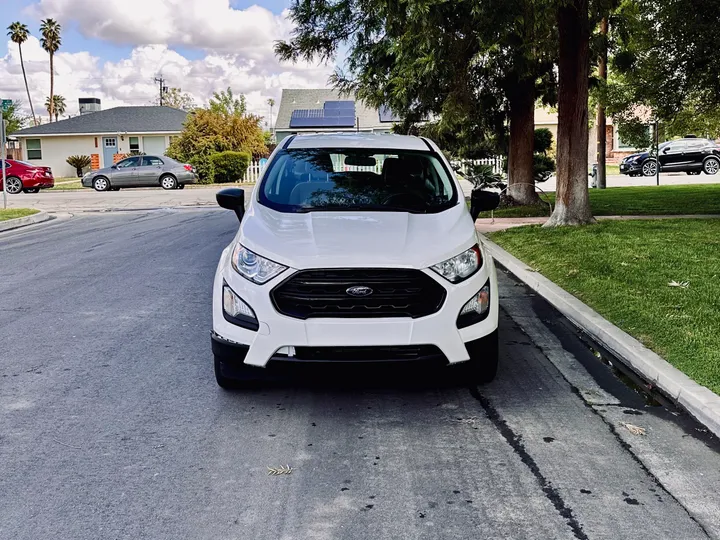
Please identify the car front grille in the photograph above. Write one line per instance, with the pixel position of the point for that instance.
(399, 353)
(324, 293)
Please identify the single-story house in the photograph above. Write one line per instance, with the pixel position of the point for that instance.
(328, 111)
(106, 136)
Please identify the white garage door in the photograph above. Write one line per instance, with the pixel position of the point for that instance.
(154, 145)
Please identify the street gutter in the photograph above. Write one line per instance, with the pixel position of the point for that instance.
(16, 223)
(699, 401)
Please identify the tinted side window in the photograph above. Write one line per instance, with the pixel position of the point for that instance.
(129, 162)
(152, 160)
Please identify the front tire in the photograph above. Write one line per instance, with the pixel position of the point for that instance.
(101, 184)
(168, 182)
(484, 358)
(649, 168)
(711, 166)
(14, 185)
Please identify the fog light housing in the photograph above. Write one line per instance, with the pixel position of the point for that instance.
(236, 311)
(476, 309)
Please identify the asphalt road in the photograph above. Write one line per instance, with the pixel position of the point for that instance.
(112, 426)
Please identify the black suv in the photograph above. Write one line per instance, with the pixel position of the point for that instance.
(690, 155)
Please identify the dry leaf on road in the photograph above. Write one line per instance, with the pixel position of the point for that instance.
(635, 430)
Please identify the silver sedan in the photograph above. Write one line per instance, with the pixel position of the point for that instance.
(142, 171)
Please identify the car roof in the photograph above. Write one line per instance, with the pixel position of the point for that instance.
(358, 140)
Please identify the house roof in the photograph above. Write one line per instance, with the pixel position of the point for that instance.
(293, 99)
(118, 120)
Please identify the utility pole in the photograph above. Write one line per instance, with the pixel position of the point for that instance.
(163, 88)
(3, 157)
(657, 151)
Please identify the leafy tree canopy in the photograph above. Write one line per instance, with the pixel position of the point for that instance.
(228, 104)
(177, 99)
(14, 117)
(207, 132)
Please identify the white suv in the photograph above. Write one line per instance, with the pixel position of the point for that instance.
(355, 248)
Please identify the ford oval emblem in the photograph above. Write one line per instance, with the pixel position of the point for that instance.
(359, 290)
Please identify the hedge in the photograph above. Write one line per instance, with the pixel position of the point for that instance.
(229, 166)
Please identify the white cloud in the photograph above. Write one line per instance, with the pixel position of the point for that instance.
(237, 47)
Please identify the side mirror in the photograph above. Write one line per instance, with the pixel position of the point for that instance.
(483, 201)
(232, 199)
(113, 166)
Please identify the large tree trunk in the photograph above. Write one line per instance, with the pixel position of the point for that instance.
(601, 118)
(521, 182)
(571, 201)
(27, 88)
(52, 88)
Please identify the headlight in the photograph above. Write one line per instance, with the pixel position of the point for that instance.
(236, 311)
(460, 267)
(254, 267)
(476, 309)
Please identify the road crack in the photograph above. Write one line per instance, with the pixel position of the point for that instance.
(515, 441)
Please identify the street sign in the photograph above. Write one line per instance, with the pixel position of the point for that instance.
(6, 104)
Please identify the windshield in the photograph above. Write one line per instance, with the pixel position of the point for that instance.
(304, 180)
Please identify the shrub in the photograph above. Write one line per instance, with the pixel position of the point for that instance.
(229, 166)
(543, 140)
(79, 162)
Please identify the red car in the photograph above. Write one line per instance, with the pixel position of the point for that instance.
(26, 177)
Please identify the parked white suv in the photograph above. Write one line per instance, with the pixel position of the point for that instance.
(355, 247)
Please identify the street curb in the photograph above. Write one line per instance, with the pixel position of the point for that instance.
(699, 401)
(16, 223)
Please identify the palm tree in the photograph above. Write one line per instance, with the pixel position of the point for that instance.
(50, 41)
(271, 102)
(19, 33)
(57, 106)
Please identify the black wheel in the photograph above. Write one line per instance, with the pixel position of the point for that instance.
(483, 364)
(14, 185)
(711, 165)
(101, 184)
(168, 182)
(241, 375)
(32, 190)
(649, 168)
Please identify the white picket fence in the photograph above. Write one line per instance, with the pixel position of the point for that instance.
(254, 171)
(497, 163)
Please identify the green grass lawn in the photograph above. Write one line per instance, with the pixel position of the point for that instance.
(623, 269)
(76, 184)
(612, 170)
(635, 201)
(12, 213)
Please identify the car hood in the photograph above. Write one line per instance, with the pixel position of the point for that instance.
(356, 239)
(634, 156)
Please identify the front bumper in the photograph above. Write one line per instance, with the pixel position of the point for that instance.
(280, 336)
(630, 167)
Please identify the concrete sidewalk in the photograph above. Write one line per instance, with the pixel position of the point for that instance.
(488, 225)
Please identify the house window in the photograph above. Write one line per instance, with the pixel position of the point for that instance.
(134, 144)
(110, 142)
(623, 146)
(34, 149)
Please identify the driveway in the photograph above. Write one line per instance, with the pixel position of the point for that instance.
(112, 426)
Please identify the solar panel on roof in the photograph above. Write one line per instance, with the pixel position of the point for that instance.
(333, 114)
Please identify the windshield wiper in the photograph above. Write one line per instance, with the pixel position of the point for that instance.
(365, 208)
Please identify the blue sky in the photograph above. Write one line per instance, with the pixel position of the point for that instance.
(111, 52)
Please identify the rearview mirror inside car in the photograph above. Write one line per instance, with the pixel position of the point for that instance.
(483, 201)
(232, 199)
(360, 161)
